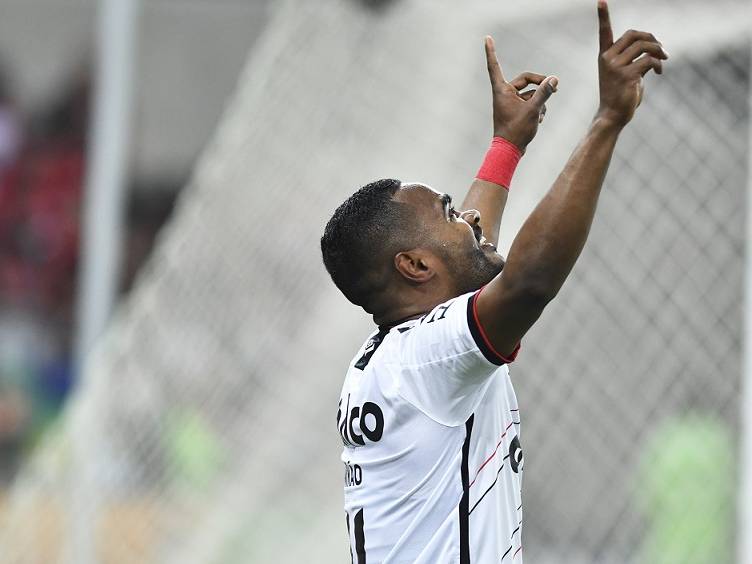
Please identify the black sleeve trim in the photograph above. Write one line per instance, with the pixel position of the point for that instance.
(480, 338)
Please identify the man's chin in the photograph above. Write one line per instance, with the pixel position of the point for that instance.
(478, 277)
(498, 267)
(494, 260)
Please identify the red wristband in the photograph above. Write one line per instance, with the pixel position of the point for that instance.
(500, 163)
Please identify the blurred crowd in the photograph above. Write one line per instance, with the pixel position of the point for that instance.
(42, 169)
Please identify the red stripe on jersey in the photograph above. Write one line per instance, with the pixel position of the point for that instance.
(492, 455)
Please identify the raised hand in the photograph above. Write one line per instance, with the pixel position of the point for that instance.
(516, 114)
(622, 66)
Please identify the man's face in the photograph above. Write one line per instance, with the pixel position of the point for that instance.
(454, 236)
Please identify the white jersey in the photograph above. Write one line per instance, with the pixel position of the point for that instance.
(432, 455)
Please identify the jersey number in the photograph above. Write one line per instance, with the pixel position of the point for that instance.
(360, 538)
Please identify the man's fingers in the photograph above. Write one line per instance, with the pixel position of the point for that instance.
(544, 92)
(631, 37)
(606, 34)
(526, 79)
(494, 68)
(542, 114)
(527, 96)
(645, 63)
(640, 48)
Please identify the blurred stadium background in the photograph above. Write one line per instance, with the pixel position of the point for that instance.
(199, 427)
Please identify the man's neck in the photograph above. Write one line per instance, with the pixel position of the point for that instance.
(409, 310)
(398, 321)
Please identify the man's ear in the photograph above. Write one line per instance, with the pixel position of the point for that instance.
(415, 266)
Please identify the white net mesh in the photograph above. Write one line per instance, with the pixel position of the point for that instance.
(204, 428)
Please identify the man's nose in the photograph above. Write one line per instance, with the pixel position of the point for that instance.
(471, 216)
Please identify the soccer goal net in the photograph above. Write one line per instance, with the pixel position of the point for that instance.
(203, 429)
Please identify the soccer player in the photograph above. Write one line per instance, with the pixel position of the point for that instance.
(427, 413)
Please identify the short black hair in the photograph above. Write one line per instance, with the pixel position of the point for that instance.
(368, 229)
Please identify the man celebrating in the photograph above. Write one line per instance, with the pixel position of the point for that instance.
(427, 414)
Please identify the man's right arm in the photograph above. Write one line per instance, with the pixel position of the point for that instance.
(549, 243)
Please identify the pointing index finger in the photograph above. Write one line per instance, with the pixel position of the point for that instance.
(605, 32)
(494, 69)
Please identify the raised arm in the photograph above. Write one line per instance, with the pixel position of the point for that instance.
(516, 115)
(549, 243)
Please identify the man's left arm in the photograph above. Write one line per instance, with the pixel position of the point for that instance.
(490, 200)
(488, 197)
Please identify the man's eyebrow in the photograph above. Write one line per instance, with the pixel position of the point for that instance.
(446, 201)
